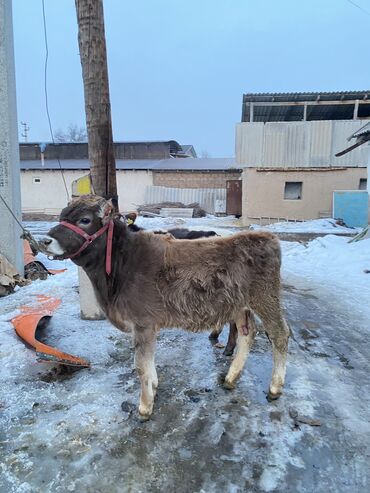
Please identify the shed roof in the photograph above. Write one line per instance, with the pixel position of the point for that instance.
(306, 96)
(171, 164)
(361, 131)
(321, 105)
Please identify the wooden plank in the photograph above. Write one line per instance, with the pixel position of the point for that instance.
(177, 212)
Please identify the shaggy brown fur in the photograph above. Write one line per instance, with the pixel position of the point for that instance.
(157, 282)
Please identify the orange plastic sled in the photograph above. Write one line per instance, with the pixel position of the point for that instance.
(29, 257)
(27, 323)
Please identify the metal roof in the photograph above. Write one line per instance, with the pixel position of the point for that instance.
(362, 131)
(171, 164)
(305, 96)
(189, 150)
(275, 107)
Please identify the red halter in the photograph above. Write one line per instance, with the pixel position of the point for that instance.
(90, 238)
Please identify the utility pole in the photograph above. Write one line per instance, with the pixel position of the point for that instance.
(93, 54)
(26, 129)
(10, 243)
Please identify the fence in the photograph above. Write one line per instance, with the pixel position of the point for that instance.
(205, 197)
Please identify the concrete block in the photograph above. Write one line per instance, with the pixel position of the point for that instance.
(90, 309)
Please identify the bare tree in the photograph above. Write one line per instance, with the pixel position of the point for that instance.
(204, 153)
(74, 133)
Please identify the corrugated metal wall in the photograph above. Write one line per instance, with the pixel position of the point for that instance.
(298, 144)
(206, 197)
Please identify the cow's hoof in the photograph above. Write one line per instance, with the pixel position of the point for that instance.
(144, 417)
(229, 385)
(228, 351)
(213, 338)
(272, 396)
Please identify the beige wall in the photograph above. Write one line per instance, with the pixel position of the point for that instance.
(131, 188)
(213, 179)
(263, 192)
(49, 196)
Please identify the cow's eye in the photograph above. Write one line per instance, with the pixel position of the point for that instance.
(85, 220)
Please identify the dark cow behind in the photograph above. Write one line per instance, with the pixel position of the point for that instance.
(178, 233)
(146, 282)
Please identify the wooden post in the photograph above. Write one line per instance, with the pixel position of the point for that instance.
(93, 54)
(251, 112)
(355, 110)
(305, 112)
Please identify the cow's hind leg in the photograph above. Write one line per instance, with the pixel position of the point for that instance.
(213, 336)
(279, 341)
(231, 342)
(144, 361)
(246, 333)
(278, 333)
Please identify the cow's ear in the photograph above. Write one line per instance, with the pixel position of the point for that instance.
(107, 211)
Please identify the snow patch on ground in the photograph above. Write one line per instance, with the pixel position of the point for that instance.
(327, 226)
(333, 262)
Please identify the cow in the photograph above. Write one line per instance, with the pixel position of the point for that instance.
(186, 234)
(178, 233)
(144, 282)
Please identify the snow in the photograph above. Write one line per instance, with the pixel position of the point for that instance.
(69, 433)
(333, 262)
(326, 226)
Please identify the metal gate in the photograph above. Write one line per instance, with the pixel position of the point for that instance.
(352, 207)
(234, 197)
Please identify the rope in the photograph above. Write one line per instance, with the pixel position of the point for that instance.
(12, 213)
(26, 235)
(46, 93)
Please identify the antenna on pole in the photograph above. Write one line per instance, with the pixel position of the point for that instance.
(26, 129)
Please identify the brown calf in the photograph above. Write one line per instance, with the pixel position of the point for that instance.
(157, 281)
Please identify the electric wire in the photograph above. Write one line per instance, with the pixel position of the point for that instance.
(46, 91)
(359, 7)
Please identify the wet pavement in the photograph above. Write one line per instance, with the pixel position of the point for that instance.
(65, 431)
(203, 438)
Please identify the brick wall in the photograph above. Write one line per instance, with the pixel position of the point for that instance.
(213, 179)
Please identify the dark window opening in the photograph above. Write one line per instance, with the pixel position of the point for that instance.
(37, 180)
(293, 190)
(363, 183)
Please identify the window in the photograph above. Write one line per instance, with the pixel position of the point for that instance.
(363, 183)
(36, 179)
(293, 190)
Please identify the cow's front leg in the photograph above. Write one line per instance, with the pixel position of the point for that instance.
(144, 361)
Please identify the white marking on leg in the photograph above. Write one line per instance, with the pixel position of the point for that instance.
(243, 346)
(144, 360)
(278, 371)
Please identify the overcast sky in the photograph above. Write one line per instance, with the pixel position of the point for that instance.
(178, 68)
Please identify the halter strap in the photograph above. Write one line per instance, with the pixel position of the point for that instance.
(90, 238)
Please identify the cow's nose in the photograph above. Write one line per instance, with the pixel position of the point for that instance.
(46, 241)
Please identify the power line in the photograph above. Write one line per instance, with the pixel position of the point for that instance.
(359, 7)
(46, 91)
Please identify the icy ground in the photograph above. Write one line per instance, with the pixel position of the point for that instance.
(62, 431)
